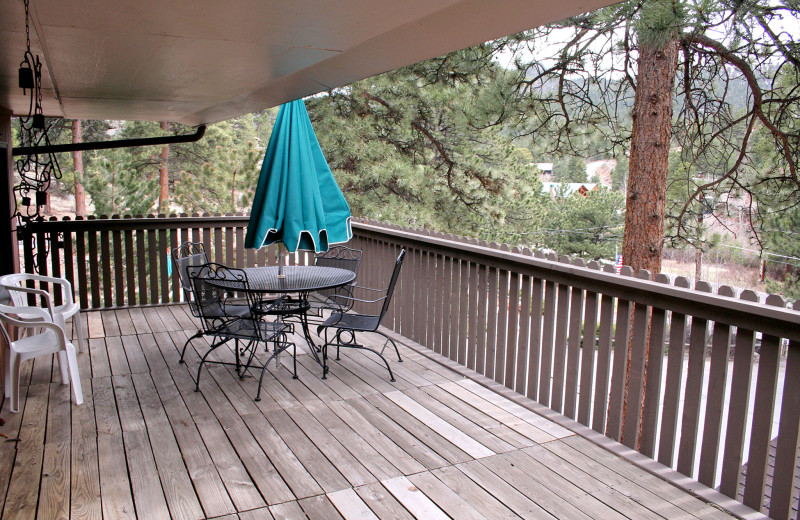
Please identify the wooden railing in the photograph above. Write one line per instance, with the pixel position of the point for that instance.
(547, 328)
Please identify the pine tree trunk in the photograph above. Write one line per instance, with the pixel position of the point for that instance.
(650, 140)
(163, 177)
(645, 207)
(77, 161)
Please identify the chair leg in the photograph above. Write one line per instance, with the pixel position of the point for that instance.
(63, 366)
(74, 375)
(77, 324)
(14, 361)
(197, 334)
(352, 343)
(203, 360)
(390, 340)
(294, 360)
(7, 374)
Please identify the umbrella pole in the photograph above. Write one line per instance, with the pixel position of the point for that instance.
(281, 260)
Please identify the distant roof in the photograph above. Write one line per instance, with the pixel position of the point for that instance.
(554, 188)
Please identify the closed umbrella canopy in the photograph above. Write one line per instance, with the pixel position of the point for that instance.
(297, 201)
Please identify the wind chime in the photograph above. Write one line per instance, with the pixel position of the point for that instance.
(35, 170)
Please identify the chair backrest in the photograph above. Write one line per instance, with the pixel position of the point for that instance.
(213, 286)
(32, 290)
(392, 282)
(342, 257)
(185, 256)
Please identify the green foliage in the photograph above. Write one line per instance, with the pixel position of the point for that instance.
(570, 169)
(217, 174)
(420, 145)
(660, 21)
(586, 226)
(117, 188)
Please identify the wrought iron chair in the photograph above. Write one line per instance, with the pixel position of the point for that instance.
(338, 298)
(348, 324)
(22, 293)
(218, 291)
(43, 336)
(186, 256)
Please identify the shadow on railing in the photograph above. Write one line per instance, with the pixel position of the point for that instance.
(704, 386)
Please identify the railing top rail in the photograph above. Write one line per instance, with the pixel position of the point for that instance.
(117, 222)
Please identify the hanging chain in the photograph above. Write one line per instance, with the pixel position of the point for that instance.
(36, 170)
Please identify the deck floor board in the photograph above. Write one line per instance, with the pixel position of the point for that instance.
(433, 444)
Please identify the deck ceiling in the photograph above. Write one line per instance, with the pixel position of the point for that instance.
(201, 61)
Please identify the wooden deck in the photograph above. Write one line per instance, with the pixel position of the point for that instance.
(432, 445)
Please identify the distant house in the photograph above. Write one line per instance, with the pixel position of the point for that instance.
(602, 170)
(558, 189)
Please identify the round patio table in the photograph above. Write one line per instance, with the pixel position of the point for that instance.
(300, 280)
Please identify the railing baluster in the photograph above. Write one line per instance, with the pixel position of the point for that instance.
(437, 277)
(80, 253)
(463, 305)
(501, 344)
(94, 268)
(534, 356)
(763, 410)
(152, 263)
(574, 348)
(55, 263)
(636, 371)
(69, 264)
(241, 261)
(669, 418)
(130, 267)
(616, 400)
(472, 319)
(447, 301)
(230, 258)
(548, 335)
(655, 363)
(163, 257)
(588, 354)
(513, 328)
(119, 266)
(482, 295)
(715, 403)
(604, 354)
(694, 391)
(491, 335)
(738, 406)
(174, 242)
(141, 257)
(560, 347)
(784, 478)
(523, 339)
(107, 262)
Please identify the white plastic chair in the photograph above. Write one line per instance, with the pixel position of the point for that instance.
(16, 284)
(42, 338)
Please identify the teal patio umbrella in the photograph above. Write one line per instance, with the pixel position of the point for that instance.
(297, 201)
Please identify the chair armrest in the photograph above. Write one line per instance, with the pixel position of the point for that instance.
(367, 288)
(65, 285)
(26, 323)
(360, 300)
(47, 314)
